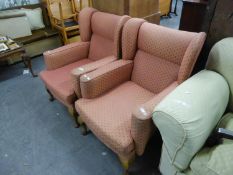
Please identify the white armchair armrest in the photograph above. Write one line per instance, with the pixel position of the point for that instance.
(187, 116)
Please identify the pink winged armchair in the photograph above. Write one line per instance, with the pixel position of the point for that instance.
(118, 99)
(101, 35)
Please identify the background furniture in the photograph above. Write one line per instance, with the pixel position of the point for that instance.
(18, 53)
(41, 40)
(213, 17)
(192, 15)
(63, 16)
(147, 9)
(165, 7)
(218, 23)
(188, 116)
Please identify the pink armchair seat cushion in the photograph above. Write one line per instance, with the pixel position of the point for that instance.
(59, 82)
(112, 123)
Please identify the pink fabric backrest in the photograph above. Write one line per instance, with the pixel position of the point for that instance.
(161, 55)
(106, 31)
(103, 30)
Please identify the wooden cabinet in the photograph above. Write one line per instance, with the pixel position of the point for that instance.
(222, 22)
(218, 24)
(192, 16)
(147, 9)
(164, 7)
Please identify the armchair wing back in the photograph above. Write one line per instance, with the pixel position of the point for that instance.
(173, 52)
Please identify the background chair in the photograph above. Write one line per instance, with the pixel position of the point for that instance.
(188, 116)
(100, 34)
(64, 16)
(118, 99)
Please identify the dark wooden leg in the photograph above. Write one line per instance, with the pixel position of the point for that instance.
(84, 129)
(27, 59)
(75, 115)
(51, 98)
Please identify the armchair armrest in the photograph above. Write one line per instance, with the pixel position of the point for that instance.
(188, 115)
(66, 54)
(142, 120)
(105, 78)
(78, 72)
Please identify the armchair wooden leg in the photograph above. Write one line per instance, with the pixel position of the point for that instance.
(51, 98)
(126, 163)
(84, 130)
(83, 127)
(74, 114)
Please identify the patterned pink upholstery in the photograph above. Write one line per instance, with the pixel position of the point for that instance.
(59, 82)
(119, 111)
(85, 16)
(106, 29)
(62, 56)
(100, 34)
(164, 49)
(129, 40)
(142, 126)
(78, 72)
(190, 57)
(109, 116)
(96, 83)
(153, 73)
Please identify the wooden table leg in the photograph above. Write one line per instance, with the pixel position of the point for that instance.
(27, 59)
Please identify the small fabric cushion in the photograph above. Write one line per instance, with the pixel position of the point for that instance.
(187, 116)
(59, 82)
(109, 116)
(34, 17)
(15, 27)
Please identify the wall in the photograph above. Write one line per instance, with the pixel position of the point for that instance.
(12, 3)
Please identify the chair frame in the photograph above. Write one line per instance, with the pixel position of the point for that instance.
(59, 23)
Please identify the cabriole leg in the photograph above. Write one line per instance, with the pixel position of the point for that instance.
(51, 98)
(74, 114)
